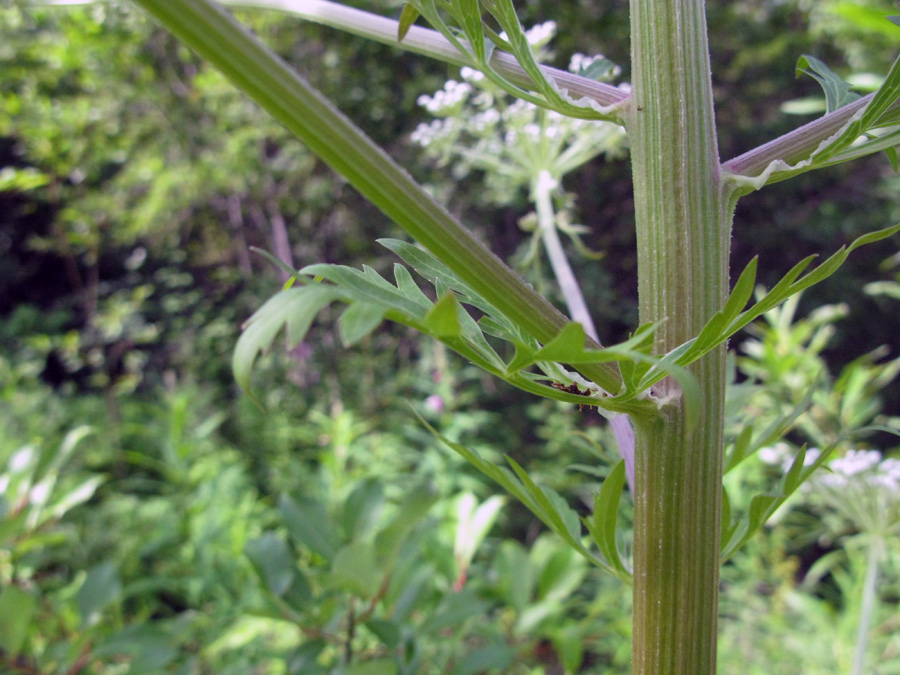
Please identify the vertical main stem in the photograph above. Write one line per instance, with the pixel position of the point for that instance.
(683, 219)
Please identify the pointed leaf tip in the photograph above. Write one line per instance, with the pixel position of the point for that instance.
(443, 320)
(407, 18)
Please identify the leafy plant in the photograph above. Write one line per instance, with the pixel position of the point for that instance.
(669, 377)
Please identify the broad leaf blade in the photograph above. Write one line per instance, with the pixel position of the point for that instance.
(358, 320)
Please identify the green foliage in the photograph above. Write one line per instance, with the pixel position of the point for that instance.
(193, 534)
(447, 321)
(837, 91)
(482, 40)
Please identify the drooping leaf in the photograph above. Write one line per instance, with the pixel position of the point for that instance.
(545, 503)
(602, 524)
(294, 309)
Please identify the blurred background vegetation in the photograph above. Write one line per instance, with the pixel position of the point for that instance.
(153, 520)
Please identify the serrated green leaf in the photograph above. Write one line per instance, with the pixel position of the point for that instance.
(358, 320)
(794, 475)
(791, 284)
(566, 514)
(762, 506)
(408, 287)
(368, 286)
(553, 510)
(837, 91)
(295, 309)
(524, 357)
(742, 291)
(407, 18)
(435, 272)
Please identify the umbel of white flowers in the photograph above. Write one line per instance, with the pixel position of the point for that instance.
(480, 127)
(861, 485)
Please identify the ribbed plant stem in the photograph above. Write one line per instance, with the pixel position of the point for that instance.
(683, 226)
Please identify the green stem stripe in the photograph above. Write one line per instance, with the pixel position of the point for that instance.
(210, 31)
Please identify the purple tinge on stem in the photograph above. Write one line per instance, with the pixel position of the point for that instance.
(624, 433)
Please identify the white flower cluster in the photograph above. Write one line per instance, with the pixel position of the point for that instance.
(541, 33)
(865, 467)
(782, 455)
(447, 99)
(537, 35)
(434, 131)
(470, 74)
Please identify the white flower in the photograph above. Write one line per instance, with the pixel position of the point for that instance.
(537, 35)
(855, 461)
(541, 33)
(775, 454)
(471, 75)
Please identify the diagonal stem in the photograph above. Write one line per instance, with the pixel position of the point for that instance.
(209, 30)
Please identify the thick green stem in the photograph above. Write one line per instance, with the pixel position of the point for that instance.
(683, 218)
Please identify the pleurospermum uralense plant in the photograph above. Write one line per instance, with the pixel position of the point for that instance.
(669, 377)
